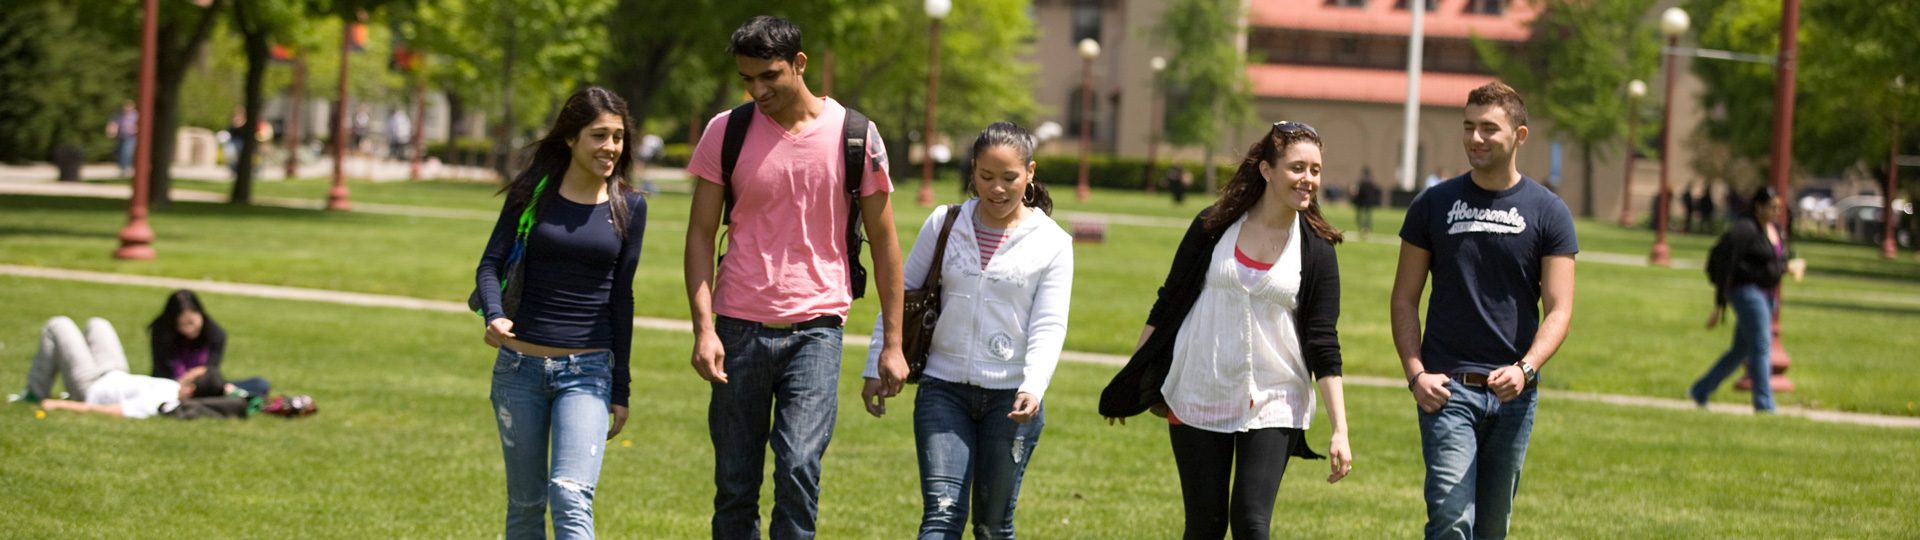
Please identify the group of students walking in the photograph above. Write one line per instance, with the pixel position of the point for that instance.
(1238, 343)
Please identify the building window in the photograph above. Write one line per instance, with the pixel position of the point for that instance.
(1402, 5)
(1347, 3)
(1485, 7)
(1086, 20)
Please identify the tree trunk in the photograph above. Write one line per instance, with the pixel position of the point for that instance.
(1586, 184)
(256, 47)
(503, 142)
(170, 63)
(456, 119)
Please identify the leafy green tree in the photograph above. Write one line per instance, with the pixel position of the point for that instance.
(56, 93)
(1575, 69)
(259, 23)
(1848, 54)
(1206, 74)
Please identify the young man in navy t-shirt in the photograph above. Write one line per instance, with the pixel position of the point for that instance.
(1500, 249)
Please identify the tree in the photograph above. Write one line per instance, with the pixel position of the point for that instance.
(58, 94)
(1206, 73)
(1849, 52)
(260, 23)
(1576, 67)
(183, 31)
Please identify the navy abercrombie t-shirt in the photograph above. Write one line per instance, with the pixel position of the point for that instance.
(1487, 246)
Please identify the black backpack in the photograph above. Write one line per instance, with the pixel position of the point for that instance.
(853, 145)
(1720, 261)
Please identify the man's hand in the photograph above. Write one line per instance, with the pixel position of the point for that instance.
(618, 422)
(875, 399)
(893, 371)
(1430, 391)
(498, 331)
(1025, 407)
(1507, 382)
(709, 357)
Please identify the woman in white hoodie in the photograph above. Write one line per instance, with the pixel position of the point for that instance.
(1007, 278)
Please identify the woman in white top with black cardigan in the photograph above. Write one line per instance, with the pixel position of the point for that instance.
(1243, 330)
(1006, 278)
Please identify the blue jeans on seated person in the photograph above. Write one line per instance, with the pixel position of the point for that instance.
(782, 390)
(966, 444)
(559, 401)
(1752, 346)
(1474, 447)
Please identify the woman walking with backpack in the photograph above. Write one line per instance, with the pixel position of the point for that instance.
(1005, 277)
(1242, 332)
(1745, 266)
(555, 286)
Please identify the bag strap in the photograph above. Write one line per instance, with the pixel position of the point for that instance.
(736, 137)
(940, 249)
(526, 214)
(853, 136)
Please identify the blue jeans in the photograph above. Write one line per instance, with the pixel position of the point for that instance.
(967, 443)
(557, 400)
(124, 147)
(782, 390)
(1752, 345)
(1474, 447)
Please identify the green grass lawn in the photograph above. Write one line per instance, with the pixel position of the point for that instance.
(404, 447)
(1637, 330)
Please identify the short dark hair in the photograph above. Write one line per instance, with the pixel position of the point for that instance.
(1497, 93)
(766, 37)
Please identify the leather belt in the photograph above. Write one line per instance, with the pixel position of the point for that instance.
(823, 321)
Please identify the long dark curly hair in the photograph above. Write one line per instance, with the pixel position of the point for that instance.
(1247, 186)
(551, 155)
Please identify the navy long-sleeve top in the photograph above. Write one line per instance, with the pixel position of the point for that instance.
(578, 289)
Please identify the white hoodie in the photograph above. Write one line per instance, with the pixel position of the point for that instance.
(1003, 327)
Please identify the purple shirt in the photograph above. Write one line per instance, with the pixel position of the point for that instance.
(186, 360)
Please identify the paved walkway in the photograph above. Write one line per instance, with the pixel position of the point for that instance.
(854, 340)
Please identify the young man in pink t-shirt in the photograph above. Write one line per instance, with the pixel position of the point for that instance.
(767, 332)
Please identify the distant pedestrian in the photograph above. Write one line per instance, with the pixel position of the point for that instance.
(1687, 208)
(1177, 183)
(1745, 267)
(1366, 197)
(399, 134)
(362, 122)
(1704, 202)
(124, 128)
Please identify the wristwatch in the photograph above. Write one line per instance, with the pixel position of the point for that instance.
(1533, 375)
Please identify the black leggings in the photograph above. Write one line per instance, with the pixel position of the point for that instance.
(1208, 469)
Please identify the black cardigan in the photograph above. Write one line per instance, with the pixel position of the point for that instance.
(1754, 260)
(1137, 386)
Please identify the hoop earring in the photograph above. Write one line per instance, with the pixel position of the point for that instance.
(1027, 197)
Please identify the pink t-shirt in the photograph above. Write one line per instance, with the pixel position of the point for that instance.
(786, 250)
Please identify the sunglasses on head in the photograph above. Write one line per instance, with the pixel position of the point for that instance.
(1289, 126)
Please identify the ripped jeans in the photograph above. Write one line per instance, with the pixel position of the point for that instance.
(559, 401)
(971, 456)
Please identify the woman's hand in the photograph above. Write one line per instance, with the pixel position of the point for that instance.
(618, 422)
(1025, 407)
(499, 331)
(1713, 319)
(1340, 457)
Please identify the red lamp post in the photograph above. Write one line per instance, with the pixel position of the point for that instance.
(1089, 49)
(1781, 163)
(1636, 89)
(936, 10)
(136, 239)
(1888, 248)
(1673, 23)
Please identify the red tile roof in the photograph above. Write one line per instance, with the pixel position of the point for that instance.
(1380, 17)
(1355, 84)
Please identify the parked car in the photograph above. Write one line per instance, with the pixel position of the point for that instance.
(1864, 223)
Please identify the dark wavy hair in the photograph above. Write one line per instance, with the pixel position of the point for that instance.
(1762, 195)
(1013, 136)
(551, 156)
(1247, 186)
(766, 37)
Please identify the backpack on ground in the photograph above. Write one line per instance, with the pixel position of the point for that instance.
(853, 145)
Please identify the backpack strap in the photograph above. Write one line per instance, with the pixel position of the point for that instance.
(853, 136)
(736, 136)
